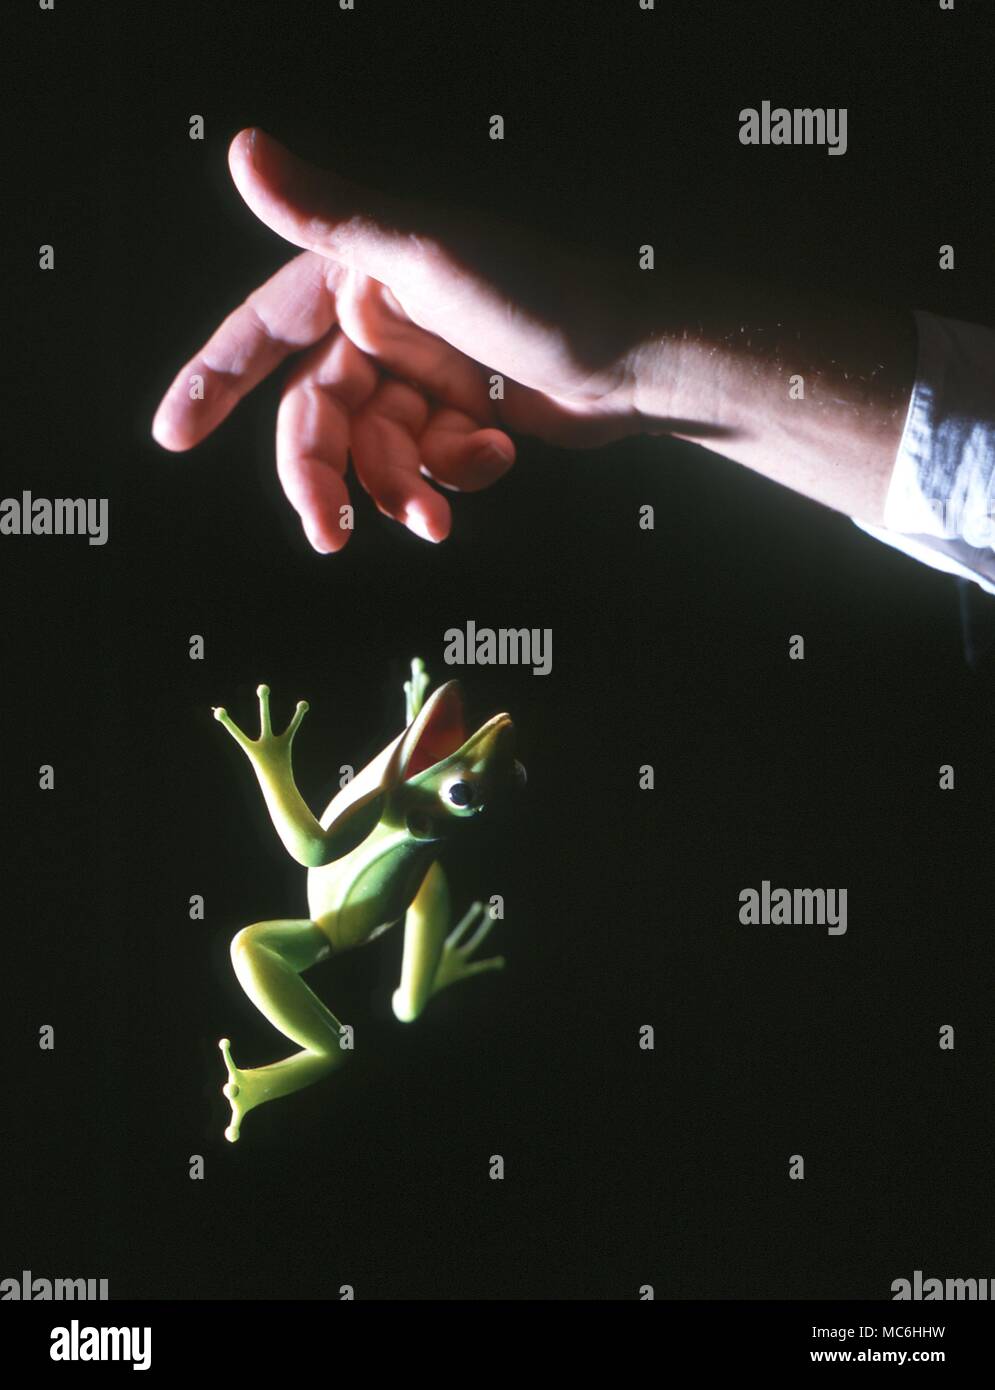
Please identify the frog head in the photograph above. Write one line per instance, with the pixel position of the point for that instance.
(441, 778)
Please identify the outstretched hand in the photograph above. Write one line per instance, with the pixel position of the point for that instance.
(420, 340)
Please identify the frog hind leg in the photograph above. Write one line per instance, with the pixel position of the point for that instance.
(268, 958)
(432, 959)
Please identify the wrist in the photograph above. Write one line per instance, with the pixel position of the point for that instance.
(671, 366)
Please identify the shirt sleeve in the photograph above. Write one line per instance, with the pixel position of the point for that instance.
(941, 497)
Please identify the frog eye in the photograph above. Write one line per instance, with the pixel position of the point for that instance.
(419, 826)
(461, 793)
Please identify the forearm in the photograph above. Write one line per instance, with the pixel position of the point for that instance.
(812, 393)
(299, 830)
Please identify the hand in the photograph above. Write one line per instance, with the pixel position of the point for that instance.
(401, 318)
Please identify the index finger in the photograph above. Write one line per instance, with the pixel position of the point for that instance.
(292, 310)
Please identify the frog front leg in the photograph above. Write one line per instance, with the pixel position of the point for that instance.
(268, 958)
(432, 959)
(303, 836)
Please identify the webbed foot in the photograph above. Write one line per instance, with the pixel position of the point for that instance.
(236, 1092)
(456, 962)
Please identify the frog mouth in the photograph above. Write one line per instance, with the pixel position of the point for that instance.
(492, 743)
(439, 733)
(435, 734)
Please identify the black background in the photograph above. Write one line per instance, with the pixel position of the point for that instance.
(623, 1167)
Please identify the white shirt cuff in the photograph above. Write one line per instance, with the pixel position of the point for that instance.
(941, 497)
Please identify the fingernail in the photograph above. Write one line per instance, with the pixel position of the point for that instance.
(416, 520)
(255, 145)
(489, 463)
(492, 454)
(315, 542)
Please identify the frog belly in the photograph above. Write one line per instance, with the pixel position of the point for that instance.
(353, 907)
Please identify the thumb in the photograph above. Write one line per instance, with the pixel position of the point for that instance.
(321, 212)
